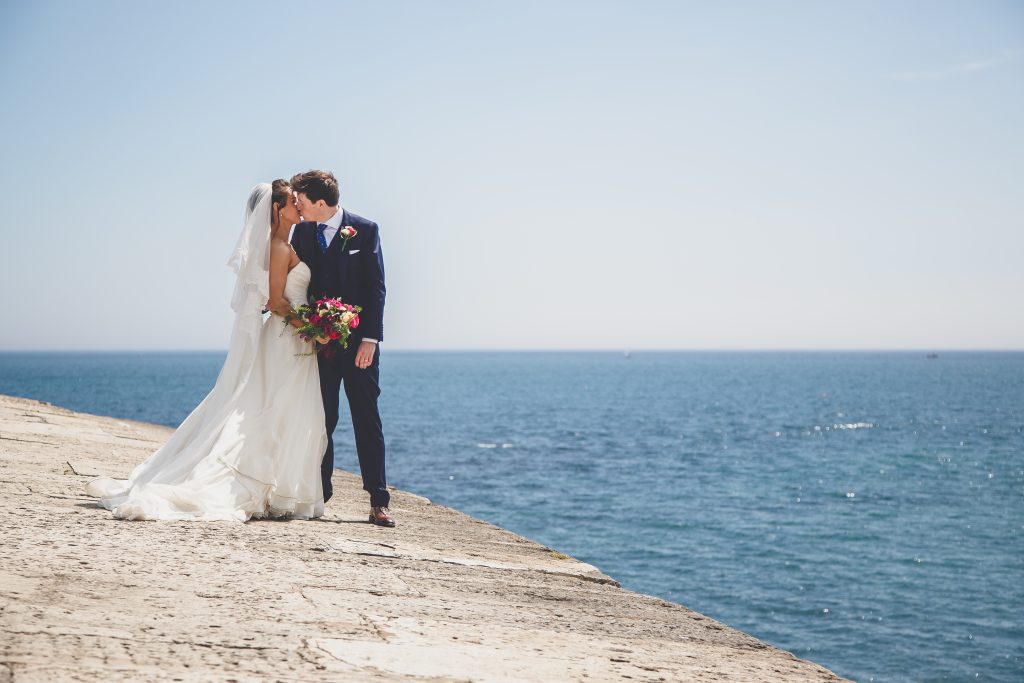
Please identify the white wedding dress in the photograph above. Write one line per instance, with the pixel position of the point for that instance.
(253, 447)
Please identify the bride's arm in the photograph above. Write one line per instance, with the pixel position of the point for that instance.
(280, 256)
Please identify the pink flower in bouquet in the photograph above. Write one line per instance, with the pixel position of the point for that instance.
(355, 323)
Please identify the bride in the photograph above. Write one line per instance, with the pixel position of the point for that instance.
(252, 447)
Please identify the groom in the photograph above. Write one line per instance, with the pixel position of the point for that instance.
(343, 253)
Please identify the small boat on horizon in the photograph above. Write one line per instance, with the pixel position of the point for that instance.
(932, 356)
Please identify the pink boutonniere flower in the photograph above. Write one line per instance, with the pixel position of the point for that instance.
(347, 233)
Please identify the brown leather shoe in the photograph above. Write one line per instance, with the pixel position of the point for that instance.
(381, 517)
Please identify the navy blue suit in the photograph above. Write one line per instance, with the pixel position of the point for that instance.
(354, 272)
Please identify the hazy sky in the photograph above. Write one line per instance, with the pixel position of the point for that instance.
(709, 175)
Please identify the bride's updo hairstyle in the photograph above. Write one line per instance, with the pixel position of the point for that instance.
(317, 185)
(280, 194)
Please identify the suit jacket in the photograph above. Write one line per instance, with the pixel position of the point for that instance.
(352, 271)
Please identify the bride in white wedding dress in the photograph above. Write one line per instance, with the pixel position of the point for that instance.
(253, 447)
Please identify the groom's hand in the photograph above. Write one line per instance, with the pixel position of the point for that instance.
(364, 354)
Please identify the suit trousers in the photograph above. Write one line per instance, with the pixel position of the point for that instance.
(362, 388)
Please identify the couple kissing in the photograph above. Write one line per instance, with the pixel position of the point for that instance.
(261, 444)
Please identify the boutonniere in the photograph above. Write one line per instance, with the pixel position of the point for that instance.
(347, 233)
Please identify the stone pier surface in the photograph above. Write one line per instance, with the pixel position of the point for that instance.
(442, 597)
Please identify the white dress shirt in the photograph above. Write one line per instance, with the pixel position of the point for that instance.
(333, 226)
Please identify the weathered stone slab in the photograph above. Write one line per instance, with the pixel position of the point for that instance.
(443, 597)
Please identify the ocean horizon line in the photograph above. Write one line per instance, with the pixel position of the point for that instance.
(620, 350)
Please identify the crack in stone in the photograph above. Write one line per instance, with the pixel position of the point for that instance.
(59, 497)
(65, 635)
(601, 579)
(11, 438)
(306, 654)
(376, 629)
(133, 438)
(229, 646)
(313, 645)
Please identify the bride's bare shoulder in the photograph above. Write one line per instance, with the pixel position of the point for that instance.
(284, 253)
(280, 250)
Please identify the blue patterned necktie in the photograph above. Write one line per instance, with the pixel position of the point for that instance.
(320, 227)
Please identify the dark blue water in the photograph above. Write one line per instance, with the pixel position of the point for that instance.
(862, 510)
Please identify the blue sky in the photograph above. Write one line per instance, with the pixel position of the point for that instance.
(676, 175)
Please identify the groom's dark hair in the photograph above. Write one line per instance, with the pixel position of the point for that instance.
(317, 185)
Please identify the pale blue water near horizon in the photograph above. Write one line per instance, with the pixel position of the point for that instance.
(862, 510)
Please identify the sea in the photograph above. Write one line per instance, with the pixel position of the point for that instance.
(864, 510)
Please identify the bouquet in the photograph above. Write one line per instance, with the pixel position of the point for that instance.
(325, 319)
